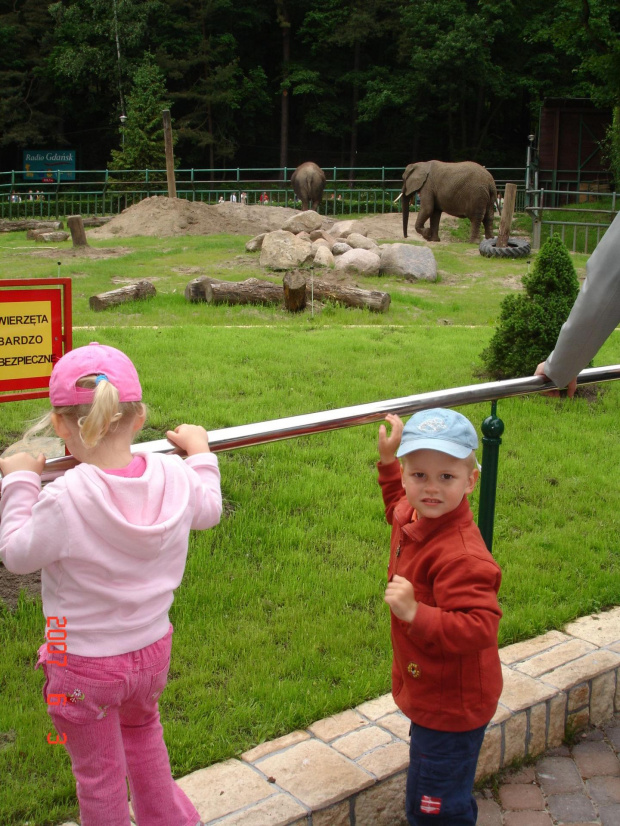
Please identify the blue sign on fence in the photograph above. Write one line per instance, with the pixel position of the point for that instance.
(45, 164)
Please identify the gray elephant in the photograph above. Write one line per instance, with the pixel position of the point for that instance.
(308, 184)
(466, 190)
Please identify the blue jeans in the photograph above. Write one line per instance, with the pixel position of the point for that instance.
(441, 776)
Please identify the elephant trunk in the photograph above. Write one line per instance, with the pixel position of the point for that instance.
(406, 200)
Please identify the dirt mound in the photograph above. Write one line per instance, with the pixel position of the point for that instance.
(161, 216)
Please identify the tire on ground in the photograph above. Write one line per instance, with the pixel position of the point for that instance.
(516, 248)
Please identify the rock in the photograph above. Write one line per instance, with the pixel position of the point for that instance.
(340, 247)
(320, 234)
(362, 261)
(255, 244)
(52, 447)
(304, 236)
(343, 228)
(413, 262)
(323, 257)
(303, 221)
(320, 242)
(282, 250)
(360, 242)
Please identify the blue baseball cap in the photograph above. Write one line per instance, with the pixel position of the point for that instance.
(439, 429)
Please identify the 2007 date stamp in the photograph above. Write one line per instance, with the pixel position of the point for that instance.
(56, 645)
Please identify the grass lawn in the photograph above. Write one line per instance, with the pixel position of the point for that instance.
(280, 619)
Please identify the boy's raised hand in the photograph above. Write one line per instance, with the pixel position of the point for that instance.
(190, 438)
(388, 445)
(22, 461)
(399, 596)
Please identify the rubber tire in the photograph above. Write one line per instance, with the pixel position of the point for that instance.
(517, 248)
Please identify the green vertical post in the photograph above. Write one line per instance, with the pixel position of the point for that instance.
(492, 429)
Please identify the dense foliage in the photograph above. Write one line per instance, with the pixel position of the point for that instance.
(346, 82)
(530, 322)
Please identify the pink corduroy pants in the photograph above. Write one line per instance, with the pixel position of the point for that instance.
(113, 734)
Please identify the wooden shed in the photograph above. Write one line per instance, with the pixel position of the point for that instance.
(569, 145)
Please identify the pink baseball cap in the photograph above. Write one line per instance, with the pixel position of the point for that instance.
(93, 360)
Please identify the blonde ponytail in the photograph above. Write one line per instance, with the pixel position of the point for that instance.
(93, 420)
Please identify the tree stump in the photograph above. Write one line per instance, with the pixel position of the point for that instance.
(294, 291)
(508, 209)
(133, 292)
(76, 227)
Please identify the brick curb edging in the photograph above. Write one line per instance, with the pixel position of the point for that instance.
(350, 769)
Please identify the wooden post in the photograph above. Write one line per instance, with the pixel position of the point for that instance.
(172, 186)
(510, 196)
(76, 227)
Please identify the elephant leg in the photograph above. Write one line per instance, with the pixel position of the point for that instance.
(488, 222)
(423, 215)
(433, 234)
(474, 235)
(304, 204)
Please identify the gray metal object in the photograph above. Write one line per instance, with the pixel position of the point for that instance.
(232, 438)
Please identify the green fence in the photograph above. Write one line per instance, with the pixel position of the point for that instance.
(100, 192)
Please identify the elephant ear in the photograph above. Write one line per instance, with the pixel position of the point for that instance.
(414, 177)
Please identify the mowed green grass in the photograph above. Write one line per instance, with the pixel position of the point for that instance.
(280, 618)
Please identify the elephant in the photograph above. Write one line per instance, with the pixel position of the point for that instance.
(308, 184)
(466, 190)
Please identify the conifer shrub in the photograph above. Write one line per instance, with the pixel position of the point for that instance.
(530, 322)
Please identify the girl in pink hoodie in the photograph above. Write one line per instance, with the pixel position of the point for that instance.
(111, 539)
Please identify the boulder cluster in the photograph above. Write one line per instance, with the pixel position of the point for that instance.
(343, 245)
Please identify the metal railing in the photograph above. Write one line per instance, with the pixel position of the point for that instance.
(577, 235)
(103, 192)
(248, 435)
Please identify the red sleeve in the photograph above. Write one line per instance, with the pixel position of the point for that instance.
(391, 481)
(467, 614)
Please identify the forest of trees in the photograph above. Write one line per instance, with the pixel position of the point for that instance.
(274, 82)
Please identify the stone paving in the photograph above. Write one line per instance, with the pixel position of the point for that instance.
(350, 769)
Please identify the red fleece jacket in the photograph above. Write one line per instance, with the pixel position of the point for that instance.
(446, 672)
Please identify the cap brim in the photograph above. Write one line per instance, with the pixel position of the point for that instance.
(451, 448)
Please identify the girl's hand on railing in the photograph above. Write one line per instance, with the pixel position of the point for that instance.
(572, 385)
(189, 438)
(388, 445)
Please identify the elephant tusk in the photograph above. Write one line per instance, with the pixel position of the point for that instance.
(399, 197)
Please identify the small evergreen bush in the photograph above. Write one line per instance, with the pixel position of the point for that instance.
(530, 322)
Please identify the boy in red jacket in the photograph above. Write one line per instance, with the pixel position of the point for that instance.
(442, 592)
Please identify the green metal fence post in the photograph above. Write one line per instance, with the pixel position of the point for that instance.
(492, 429)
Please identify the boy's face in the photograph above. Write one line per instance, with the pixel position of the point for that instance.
(435, 483)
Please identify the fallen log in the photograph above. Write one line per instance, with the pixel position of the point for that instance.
(48, 237)
(375, 300)
(21, 226)
(76, 228)
(133, 292)
(294, 283)
(254, 291)
(195, 290)
(250, 291)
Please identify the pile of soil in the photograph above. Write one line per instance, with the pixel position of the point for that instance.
(161, 216)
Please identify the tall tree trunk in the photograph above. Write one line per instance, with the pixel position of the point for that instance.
(354, 101)
(285, 24)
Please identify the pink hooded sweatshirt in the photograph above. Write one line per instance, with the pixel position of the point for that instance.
(112, 549)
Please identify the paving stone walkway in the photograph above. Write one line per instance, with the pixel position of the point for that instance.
(569, 786)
